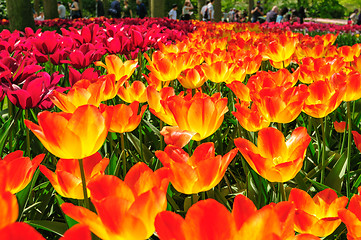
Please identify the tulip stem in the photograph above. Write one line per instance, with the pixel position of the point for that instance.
(123, 155)
(349, 143)
(83, 182)
(283, 192)
(323, 156)
(161, 137)
(10, 110)
(27, 134)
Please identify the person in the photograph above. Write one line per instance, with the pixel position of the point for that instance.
(280, 16)
(40, 17)
(126, 11)
(359, 19)
(231, 14)
(272, 15)
(301, 14)
(99, 8)
(173, 12)
(186, 14)
(211, 11)
(141, 9)
(61, 10)
(256, 12)
(243, 17)
(114, 9)
(75, 11)
(353, 17)
(204, 11)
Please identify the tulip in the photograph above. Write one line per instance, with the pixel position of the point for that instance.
(157, 104)
(357, 139)
(84, 56)
(351, 217)
(72, 135)
(281, 49)
(136, 92)
(17, 171)
(175, 136)
(317, 215)
(125, 209)
(124, 118)
(349, 52)
(192, 78)
(9, 208)
(281, 104)
(114, 65)
(250, 119)
(219, 72)
(19, 230)
(352, 82)
(323, 99)
(356, 64)
(209, 112)
(208, 219)
(78, 232)
(339, 126)
(274, 159)
(198, 173)
(67, 180)
(89, 74)
(240, 90)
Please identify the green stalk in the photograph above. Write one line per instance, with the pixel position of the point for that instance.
(27, 134)
(123, 155)
(282, 192)
(161, 137)
(83, 181)
(10, 111)
(323, 157)
(349, 144)
(140, 140)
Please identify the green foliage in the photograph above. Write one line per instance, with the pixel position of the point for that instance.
(3, 11)
(327, 9)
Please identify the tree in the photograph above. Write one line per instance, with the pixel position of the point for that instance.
(217, 10)
(157, 8)
(50, 9)
(201, 3)
(20, 14)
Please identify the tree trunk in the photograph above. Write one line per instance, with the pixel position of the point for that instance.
(20, 14)
(201, 3)
(217, 10)
(250, 7)
(157, 8)
(106, 7)
(50, 9)
(37, 6)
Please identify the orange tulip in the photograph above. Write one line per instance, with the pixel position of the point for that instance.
(281, 49)
(67, 179)
(218, 71)
(312, 49)
(124, 118)
(86, 92)
(281, 104)
(192, 78)
(209, 112)
(72, 135)
(324, 98)
(357, 139)
(351, 217)
(136, 92)
(349, 52)
(125, 209)
(240, 90)
(77, 232)
(114, 65)
(17, 171)
(274, 159)
(317, 215)
(205, 220)
(352, 82)
(339, 126)
(175, 136)
(156, 104)
(165, 67)
(9, 209)
(19, 231)
(198, 173)
(250, 119)
(208, 219)
(356, 64)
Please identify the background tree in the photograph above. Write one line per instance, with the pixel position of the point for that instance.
(157, 8)
(218, 10)
(20, 14)
(50, 9)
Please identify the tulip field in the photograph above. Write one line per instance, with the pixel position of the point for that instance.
(127, 129)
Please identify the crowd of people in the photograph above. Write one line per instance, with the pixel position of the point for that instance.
(355, 18)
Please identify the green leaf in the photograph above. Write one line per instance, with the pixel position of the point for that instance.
(320, 187)
(6, 130)
(148, 155)
(23, 195)
(70, 222)
(55, 227)
(335, 178)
